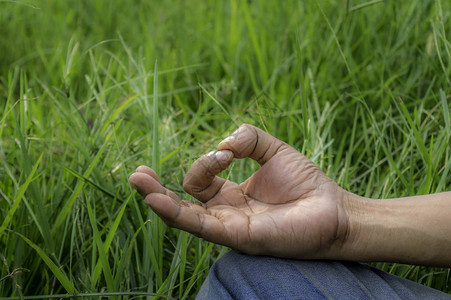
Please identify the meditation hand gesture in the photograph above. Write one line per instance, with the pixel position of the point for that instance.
(287, 208)
(290, 208)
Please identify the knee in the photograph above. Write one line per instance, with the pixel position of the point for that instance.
(242, 276)
(235, 266)
(224, 276)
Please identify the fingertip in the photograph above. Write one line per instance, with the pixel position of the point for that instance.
(224, 155)
(132, 181)
(146, 184)
(148, 171)
(228, 139)
(232, 137)
(250, 141)
(241, 142)
(141, 168)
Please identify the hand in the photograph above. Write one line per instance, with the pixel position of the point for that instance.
(287, 208)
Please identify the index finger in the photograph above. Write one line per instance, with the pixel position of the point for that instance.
(201, 181)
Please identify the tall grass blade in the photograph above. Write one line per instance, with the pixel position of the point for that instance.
(446, 115)
(89, 182)
(253, 35)
(197, 269)
(103, 253)
(117, 112)
(363, 5)
(156, 124)
(62, 278)
(33, 190)
(78, 189)
(19, 196)
(110, 236)
(219, 104)
(157, 228)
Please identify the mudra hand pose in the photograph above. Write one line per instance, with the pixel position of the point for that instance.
(290, 209)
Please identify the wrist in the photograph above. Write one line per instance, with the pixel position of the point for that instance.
(408, 230)
(357, 210)
(347, 242)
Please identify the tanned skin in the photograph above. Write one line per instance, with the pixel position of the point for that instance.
(290, 208)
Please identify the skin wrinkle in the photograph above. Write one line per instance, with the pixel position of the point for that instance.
(233, 147)
(198, 193)
(305, 194)
(292, 232)
(198, 186)
(347, 227)
(218, 195)
(337, 237)
(192, 190)
(229, 235)
(264, 153)
(278, 151)
(246, 201)
(211, 165)
(219, 189)
(309, 169)
(274, 223)
(187, 186)
(206, 165)
(244, 186)
(257, 137)
(327, 244)
(201, 218)
(319, 182)
(249, 235)
(177, 215)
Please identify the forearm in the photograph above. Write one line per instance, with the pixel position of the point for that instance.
(412, 230)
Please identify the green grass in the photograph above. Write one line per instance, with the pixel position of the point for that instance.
(89, 90)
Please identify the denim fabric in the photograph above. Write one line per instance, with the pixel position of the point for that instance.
(240, 276)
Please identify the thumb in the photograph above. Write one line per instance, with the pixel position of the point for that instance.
(250, 141)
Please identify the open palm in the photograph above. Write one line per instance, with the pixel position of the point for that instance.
(287, 208)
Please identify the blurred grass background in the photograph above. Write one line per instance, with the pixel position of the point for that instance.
(89, 90)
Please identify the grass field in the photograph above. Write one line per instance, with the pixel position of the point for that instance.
(89, 90)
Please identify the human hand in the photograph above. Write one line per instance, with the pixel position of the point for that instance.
(287, 208)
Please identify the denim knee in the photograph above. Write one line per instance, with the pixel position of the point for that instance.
(241, 276)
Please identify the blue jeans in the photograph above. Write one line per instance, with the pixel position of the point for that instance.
(240, 276)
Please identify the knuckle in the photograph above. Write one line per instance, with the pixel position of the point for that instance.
(187, 182)
(192, 190)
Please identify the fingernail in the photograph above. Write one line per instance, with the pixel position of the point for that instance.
(241, 128)
(211, 153)
(224, 155)
(227, 139)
